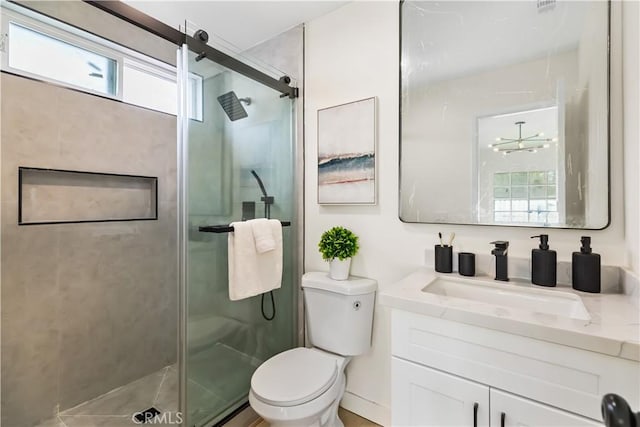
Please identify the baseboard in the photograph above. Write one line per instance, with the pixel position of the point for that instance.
(366, 409)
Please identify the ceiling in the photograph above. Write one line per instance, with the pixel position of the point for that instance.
(243, 24)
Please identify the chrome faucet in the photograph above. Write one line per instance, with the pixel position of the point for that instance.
(500, 252)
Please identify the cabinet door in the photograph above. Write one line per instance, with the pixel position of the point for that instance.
(421, 396)
(508, 410)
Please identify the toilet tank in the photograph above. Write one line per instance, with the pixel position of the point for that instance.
(339, 313)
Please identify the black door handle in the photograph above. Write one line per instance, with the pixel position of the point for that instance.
(502, 417)
(475, 414)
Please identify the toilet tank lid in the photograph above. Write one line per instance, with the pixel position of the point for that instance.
(352, 286)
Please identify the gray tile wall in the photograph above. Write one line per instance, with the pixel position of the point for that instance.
(85, 307)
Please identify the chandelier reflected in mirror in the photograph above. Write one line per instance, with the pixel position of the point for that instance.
(530, 144)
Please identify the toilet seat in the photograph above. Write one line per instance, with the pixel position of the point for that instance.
(294, 377)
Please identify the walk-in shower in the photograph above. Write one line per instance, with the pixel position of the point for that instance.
(113, 319)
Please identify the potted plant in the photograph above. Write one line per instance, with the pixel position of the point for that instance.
(337, 246)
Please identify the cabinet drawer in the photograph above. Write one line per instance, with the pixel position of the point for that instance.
(426, 397)
(519, 412)
(554, 374)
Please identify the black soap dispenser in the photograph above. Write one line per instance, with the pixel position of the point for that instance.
(543, 263)
(585, 268)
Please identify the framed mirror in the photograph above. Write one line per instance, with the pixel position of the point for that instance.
(504, 113)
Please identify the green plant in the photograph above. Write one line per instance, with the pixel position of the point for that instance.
(338, 242)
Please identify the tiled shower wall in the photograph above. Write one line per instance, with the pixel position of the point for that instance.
(85, 307)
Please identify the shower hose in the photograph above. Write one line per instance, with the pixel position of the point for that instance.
(273, 307)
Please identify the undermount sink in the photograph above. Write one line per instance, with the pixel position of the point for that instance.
(512, 296)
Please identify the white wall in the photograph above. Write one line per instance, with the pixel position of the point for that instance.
(352, 53)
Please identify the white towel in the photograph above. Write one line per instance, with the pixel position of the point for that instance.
(252, 273)
(263, 234)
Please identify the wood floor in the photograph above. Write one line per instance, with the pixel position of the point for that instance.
(348, 418)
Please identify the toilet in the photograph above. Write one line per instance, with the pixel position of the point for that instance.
(303, 386)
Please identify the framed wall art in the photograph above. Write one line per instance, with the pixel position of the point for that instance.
(347, 153)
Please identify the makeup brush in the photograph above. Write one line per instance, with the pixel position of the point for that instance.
(440, 236)
(453, 236)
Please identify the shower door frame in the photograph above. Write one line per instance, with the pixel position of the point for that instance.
(184, 43)
(296, 132)
(162, 30)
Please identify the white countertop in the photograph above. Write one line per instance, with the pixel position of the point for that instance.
(614, 328)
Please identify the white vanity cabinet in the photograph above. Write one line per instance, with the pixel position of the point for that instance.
(422, 396)
(446, 373)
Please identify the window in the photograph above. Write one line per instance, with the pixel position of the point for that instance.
(54, 59)
(149, 89)
(40, 47)
(525, 197)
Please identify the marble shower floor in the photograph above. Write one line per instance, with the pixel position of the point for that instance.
(160, 390)
(222, 374)
(115, 408)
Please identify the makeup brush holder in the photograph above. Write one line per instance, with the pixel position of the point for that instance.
(444, 258)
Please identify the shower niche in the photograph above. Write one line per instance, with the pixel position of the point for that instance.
(52, 196)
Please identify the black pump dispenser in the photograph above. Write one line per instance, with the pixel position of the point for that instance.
(585, 268)
(585, 242)
(543, 263)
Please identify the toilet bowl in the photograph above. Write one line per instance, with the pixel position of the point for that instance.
(302, 387)
(299, 387)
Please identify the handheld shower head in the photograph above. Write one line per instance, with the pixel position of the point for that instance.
(268, 200)
(255, 175)
(232, 105)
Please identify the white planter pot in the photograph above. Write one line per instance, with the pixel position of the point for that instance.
(339, 270)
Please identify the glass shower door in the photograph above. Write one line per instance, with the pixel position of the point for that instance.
(239, 146)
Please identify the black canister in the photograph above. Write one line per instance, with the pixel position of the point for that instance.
(467, 264)
(444, 258)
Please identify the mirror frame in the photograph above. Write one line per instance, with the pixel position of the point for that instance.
(608, 106)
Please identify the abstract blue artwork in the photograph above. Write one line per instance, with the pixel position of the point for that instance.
(347, 153)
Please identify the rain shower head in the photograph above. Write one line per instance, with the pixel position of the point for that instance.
(232, 105)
